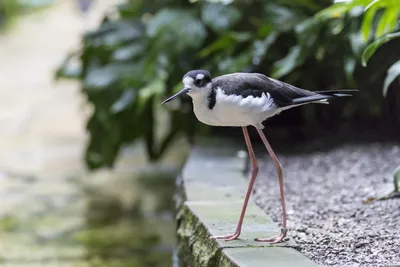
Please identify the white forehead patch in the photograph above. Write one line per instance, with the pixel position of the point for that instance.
(199, 76)
(188, 81)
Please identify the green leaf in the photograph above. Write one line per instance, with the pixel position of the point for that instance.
(128, 52)
(155, 87)
(366, 26)
(176, 28)
(393, 73)
(104, 28)
(349, 67)
(220, 17)
(356, 43)
(288, 63)
(101, 78)
(282, 18)
(69, 68)
(104, 142)
(370, 50)
(387, 22)
(125, 31)
(232, 64)
(260, 47)
(375, 3)
(396, 179)
(307, 33)
(126, 100)
(114, 33)
(337, 10)
(225, 42)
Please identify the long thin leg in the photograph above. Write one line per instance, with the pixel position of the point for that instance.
(254, 172)
(279, 171)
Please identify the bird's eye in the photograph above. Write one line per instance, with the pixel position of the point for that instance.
(197, 82)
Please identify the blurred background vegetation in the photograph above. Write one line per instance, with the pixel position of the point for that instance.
(141, 50)
(11, 9)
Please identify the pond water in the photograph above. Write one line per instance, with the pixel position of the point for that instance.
(120, 217)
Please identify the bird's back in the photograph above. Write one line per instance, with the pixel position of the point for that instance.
(257, 84)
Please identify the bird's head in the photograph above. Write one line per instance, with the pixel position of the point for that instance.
(195, 82)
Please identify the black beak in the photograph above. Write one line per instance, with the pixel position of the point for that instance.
(183, 91)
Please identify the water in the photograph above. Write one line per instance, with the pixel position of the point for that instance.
(108, 218)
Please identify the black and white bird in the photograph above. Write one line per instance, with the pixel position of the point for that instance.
(248, 99)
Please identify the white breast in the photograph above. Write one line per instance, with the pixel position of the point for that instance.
(234, 110)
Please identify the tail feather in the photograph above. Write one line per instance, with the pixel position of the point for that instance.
(323, 97)
(332, 92)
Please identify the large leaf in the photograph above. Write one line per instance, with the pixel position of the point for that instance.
(393, 73)
(226, 42)
(367, 25)
(152, 89)
(307, 32)
(370, 50)
(260, 47)
(103, 77)
(388, 21)
(114, 33)
(340, 9)
(125, 31)
(127, 98)
(233, 64)
(129, 52)
(69, 68)
(219, 17)
(374, 3)
(356, 42)
(288, 63)
(282, 18)
(177, 28)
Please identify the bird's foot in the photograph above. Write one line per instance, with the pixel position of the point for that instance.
(230, 237)
(274, 240)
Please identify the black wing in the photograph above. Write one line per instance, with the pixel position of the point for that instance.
(255, 84)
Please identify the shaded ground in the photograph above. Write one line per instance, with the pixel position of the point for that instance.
(326, 214)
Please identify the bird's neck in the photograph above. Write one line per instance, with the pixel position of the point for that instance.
(206, 98)
(211, 98)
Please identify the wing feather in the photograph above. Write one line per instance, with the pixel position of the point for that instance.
(246, 84)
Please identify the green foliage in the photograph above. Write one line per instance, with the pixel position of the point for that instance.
(378, 27)
(140, 51)
(396, 179)
(385, 23)
(9, 9)
(396, 192)
(382, 30)
(371, 49)
(393, 73)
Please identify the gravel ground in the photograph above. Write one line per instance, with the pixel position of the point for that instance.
(326, 214)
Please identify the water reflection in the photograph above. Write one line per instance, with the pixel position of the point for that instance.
(122, 217)
(139, 234)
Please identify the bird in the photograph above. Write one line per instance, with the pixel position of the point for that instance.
(243, 100)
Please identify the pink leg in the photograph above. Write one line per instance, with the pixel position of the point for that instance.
(254, 172)
(278, 167)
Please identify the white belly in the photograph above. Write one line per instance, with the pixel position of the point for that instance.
(235, 111)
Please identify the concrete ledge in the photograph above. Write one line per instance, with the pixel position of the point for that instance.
(211, 193)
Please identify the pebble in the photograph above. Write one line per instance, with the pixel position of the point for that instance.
(332, 225)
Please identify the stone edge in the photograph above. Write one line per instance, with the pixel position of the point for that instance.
(194, 247)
